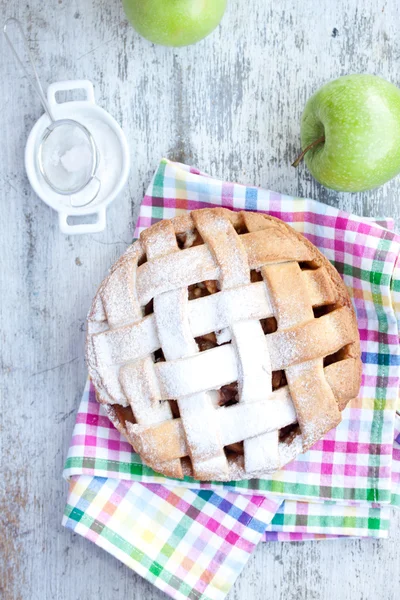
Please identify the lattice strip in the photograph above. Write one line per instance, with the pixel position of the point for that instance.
(171, 315)
(311, 339)
(136, 383)
(214, 368)
(255, 374)
(255, 384)
(211, 313)
(118, 300)
(316, 407)
(234, 422)
(128, 343)
(141, 387)
(201, 372)
(340, 377)
(197, 264)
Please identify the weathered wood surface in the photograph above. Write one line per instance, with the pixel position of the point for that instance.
(230, 105)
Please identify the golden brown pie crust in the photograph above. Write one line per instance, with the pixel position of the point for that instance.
(210, 296)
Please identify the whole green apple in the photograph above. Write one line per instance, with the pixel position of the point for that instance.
(174, 22)
(350, 133)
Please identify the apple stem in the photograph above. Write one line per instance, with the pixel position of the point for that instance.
(298, 160)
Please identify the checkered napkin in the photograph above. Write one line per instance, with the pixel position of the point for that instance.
(192, 539)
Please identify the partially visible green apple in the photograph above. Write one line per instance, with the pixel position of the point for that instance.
(174, 22)
(350, 132)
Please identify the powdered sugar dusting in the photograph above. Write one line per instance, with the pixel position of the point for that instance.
(171, 271)
(200, 372)
(121, 342)
(252, 354)
(176, 376)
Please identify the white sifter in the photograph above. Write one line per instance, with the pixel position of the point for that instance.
(77, 157)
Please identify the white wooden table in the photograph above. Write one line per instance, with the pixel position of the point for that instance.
(230, 105)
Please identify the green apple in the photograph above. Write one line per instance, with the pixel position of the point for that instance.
(174, 22)
(350, 133)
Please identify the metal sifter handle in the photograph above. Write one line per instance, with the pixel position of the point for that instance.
(35, 81)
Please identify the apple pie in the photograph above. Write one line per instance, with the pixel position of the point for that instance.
(222, 345)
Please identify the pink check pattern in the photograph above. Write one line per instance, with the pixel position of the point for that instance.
(193, 539)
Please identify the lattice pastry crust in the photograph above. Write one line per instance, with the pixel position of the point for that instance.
(222, 345)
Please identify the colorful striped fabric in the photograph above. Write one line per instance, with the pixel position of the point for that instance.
(192, 539)
(189, 543)
(395, 500)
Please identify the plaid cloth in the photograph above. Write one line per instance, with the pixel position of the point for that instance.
(192, 539)
(189, 543)
(395, 500)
